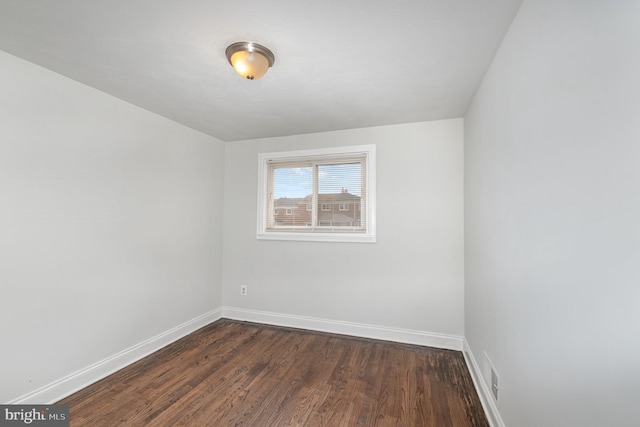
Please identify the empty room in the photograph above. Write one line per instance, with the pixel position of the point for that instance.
(338, 213)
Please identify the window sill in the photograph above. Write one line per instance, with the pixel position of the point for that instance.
(318, 237)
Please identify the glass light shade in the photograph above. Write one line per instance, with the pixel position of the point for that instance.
(250, 60)
(250, 65)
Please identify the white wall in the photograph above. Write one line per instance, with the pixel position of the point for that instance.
(110, 225)
(412, 278)
(552, 215)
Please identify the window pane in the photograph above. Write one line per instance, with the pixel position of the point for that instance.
(340, 195)
(292, 189)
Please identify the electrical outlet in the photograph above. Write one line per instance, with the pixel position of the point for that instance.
(243, 290)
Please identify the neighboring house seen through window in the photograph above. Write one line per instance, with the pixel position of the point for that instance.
(325, 195)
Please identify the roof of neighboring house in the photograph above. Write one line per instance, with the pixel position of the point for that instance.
(337, 197)
(283, 202)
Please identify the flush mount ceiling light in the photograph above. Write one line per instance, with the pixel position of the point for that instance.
(250, 60)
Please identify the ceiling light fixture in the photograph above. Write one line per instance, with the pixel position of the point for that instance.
(250, 60)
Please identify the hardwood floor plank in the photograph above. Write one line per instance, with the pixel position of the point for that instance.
(233, 373)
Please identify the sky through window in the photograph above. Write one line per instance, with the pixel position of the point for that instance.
(297, 182)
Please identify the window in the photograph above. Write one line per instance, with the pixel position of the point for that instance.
(336, 186)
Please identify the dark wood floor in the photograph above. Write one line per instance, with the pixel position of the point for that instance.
(232, 373)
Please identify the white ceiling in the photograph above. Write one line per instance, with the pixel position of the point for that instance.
(340, 64)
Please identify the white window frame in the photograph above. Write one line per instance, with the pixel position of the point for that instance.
(346, 207)
(324, 154)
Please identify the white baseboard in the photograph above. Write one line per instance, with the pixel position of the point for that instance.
(75, 381)
(63, 387)
(486, 398)
(407, 336)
